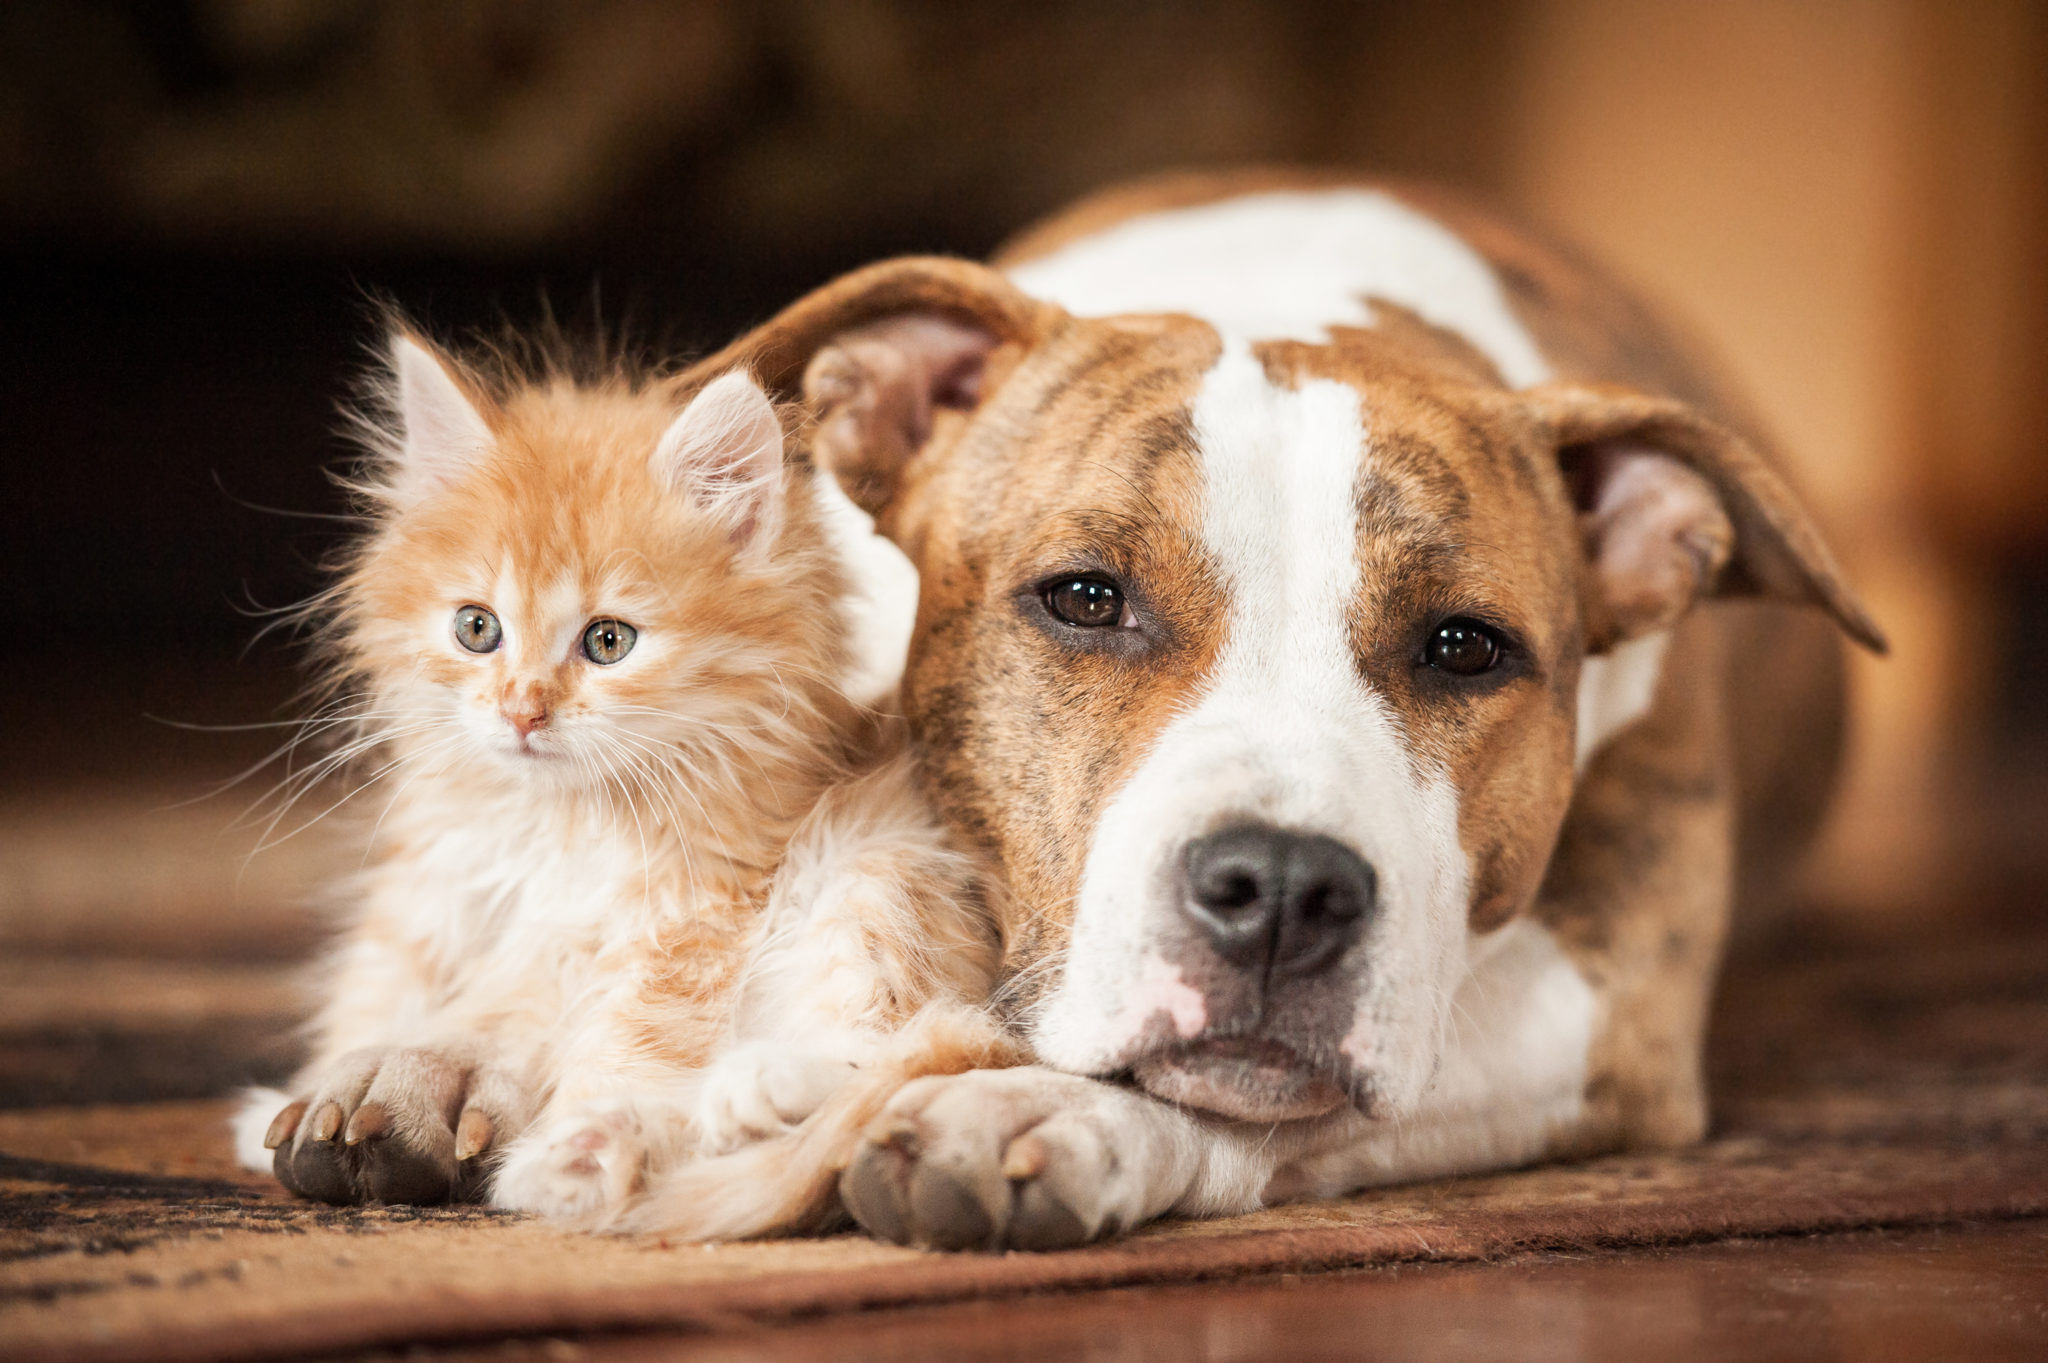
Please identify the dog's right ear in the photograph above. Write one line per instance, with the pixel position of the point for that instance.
(877, 354)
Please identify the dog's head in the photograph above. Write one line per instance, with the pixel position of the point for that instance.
(1257, 666)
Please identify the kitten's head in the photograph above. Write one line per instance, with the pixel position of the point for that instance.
(587, 585)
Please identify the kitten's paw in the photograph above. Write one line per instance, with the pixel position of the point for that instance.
(577, 1167)
(761, 1090)
(394, 1125)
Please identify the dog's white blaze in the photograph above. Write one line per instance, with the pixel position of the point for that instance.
(1285, 731)
(1616, 689)
(1289, 266)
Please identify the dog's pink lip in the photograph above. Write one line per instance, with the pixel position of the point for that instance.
(1249, 1078)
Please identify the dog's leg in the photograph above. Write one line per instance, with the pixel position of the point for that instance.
(1640, 895)
(1034, 1159)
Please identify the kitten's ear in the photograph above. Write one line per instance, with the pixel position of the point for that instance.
(725, 453)
(442, 435)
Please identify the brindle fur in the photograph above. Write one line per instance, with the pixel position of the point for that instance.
(1633, 864)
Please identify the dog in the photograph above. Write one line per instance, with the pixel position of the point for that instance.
(1366, 647)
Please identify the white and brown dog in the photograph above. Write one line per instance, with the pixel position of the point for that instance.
(1307, 632)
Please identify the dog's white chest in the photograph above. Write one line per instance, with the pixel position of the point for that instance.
(1289, 266)
(1512, 1077)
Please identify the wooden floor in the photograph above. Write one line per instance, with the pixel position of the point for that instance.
(1977, 1293)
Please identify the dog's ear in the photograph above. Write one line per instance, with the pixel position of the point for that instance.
(1675, 507)
(878, 353)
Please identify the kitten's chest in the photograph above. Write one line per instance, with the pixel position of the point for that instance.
(534, 891)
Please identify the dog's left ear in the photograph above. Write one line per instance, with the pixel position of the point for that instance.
(876, 355)
(1675, 507)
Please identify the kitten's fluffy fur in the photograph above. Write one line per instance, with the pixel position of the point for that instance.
(616, 919)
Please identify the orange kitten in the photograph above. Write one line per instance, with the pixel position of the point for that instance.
(595, 642)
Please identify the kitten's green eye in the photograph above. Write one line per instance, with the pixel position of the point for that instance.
(607, 641)
(477, 630)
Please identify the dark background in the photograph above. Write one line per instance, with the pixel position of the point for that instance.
(180, 333)
(198, 198)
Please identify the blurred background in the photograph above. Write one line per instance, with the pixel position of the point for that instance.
(1845, 198)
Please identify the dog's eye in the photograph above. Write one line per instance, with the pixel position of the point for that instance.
(1464, 648)
(1085, 601)
(477, 630)
(607, 641)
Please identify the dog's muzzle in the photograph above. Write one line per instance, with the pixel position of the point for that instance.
(1269, 913)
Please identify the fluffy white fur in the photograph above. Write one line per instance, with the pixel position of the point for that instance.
(1289, 266)
(614, 916)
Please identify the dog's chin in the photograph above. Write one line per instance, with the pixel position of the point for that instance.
(1246, 1078)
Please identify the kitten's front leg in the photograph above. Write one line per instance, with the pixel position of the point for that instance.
(404, 1100)
(621, 1086)
(872, 916)
(414, 1125)
(586, 1157)
(760, 1089)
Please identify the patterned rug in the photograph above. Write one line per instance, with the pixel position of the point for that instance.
(1857, 1085)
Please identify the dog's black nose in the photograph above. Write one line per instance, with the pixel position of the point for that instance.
(1264, 894)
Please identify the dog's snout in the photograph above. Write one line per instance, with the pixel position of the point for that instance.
(1263, 894)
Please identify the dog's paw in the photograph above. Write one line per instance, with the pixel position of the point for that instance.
(1009, 1159)
(761, 1090)
(580, 1166)
(392, 1125)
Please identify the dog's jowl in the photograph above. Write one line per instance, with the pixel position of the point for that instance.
(1315, 633)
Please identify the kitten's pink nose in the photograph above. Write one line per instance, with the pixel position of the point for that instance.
(526, 718)
(527, 721)
(524, 704)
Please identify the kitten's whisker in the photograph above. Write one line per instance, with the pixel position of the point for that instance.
(266, 842)
(623, 763)
(298, 781)
(438, 746)
(708, 824)
(305, 730)
(659, 791)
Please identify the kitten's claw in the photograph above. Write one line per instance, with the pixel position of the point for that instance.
(896, 1133)
(410, 1125)
(472, 1133)
(283, 1125)
(369, 1122)
(326, 1122)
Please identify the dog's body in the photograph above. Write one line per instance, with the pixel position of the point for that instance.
(1306, 634)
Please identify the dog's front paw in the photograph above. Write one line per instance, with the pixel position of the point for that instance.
(761, 1090)
(578, 1166)
(393, 1125)
(1011, 1159)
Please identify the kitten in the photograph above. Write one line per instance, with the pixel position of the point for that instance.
(648, 885)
